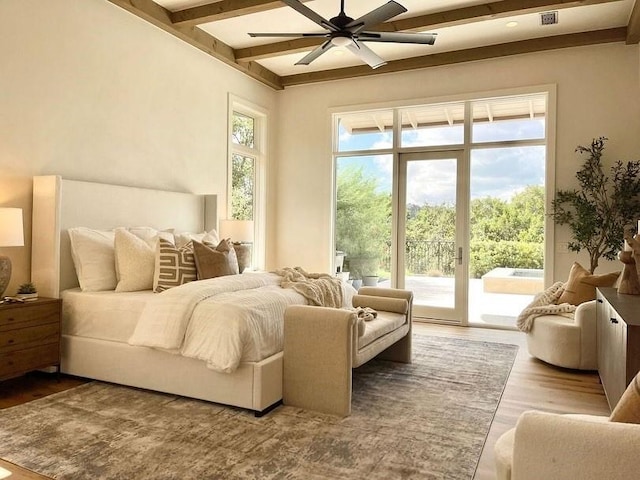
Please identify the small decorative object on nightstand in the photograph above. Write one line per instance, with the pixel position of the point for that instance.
(27, 292)
(29, 336)
(241, 234)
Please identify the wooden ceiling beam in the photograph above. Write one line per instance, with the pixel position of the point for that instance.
(243, 59)
(212, 12)
(448, 18)
(633, 29)
(161, 18)
(468, 55)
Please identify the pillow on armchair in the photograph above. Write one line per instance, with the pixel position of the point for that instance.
(581, 286)
(628, 408)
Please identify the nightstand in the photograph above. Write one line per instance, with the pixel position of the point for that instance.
(29, 336)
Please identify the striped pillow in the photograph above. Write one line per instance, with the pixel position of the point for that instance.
(174, 266)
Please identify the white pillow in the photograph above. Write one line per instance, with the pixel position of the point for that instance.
(135, 262)
(150, 234)
(93, 258)
(205, 237)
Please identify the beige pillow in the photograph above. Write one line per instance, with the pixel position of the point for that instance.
(93, 258)
(173, 266)
(135, 262)
(581, 286)
(628, 408)
(215, 262)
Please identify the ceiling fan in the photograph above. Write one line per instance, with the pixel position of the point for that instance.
(344, 31)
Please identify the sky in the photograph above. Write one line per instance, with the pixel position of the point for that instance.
(495, 172)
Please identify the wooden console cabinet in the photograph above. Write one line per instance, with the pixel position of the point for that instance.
(29, 336)
(618, 338)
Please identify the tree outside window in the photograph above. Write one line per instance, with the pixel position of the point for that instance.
(242, 187)
(243, 167)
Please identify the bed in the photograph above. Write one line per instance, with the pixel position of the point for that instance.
(97, 347)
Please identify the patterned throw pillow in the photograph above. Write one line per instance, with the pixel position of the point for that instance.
(215, 262)
(174, 266)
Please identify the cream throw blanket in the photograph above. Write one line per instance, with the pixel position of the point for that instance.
(320, 289)
(544, 303)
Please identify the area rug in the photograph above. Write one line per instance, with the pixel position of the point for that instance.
(426, 420)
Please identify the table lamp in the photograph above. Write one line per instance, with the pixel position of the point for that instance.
(11, 235)
(241, 234)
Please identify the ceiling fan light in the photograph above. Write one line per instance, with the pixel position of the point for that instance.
(340, 41)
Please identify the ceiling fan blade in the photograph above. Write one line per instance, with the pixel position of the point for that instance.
(366, 54)
(310, 14)
(376, 17)
(289, 35)
(397, 37)
(310, 57)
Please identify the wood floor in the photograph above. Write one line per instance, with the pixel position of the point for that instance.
(532, 385)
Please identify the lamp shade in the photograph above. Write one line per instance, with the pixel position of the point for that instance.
(239, 231)
(11, 230)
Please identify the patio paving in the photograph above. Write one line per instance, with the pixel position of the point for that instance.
(500, 309)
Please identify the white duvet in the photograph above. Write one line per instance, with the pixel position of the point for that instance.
(223, 321)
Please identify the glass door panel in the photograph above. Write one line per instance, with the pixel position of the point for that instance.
(506, 257)
(431, 258)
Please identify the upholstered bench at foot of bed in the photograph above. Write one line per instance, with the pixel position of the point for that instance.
(322, 346)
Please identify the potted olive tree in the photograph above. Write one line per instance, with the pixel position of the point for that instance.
(605, 205)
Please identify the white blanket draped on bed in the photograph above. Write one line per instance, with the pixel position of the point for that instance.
(222, 321)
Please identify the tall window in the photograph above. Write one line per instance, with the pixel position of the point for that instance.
(243, 167)
(247, 169)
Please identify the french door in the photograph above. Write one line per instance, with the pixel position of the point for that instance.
(432, 230)
(448, 200)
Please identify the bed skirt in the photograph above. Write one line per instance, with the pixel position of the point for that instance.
(254, 385)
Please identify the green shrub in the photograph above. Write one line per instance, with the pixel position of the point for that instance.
(487, 255)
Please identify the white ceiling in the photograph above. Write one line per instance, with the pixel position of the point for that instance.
(588, 16)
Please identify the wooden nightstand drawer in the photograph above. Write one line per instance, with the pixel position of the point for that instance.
(23, 361)
(29, 336)
(21, 338)
(24, 315)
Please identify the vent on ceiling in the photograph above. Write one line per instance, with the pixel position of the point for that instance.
(548, 18)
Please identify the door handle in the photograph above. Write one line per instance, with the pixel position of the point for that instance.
(459, 256)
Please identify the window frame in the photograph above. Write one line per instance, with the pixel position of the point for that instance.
(258, 152)
(550, 90)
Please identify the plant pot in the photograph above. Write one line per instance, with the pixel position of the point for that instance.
(27, 297)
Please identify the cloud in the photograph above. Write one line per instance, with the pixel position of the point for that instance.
(503, 172)
(431, 182)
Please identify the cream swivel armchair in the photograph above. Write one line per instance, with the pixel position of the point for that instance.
(571, 342)
(562, 447)
(568, 342)
(586, 447)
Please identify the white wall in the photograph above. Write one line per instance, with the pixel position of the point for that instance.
(598, 93)
(90, 92)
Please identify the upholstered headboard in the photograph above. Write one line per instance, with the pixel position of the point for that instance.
(59, 204)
